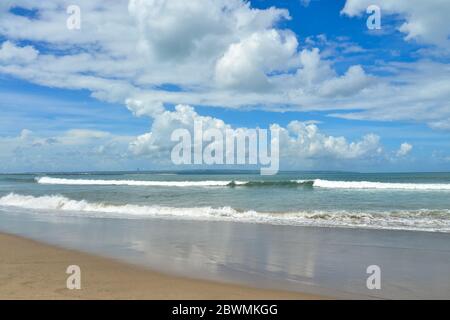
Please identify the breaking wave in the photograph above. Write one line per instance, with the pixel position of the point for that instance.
(317, 183)
(207, 183)
(418, 220)
(268, 183)
(379, 185)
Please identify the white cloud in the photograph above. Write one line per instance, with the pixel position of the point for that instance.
(354, 80)
(10, 53)
(415, 92)
(299, 141)
(157, 142)
(206, 48)
(178, 29)
(424, 21)
(139, 108)
(25, 134)
(143, 144)
(220, 53)
(405, 149)
(245, 64)
(307, 141)
(313, 70)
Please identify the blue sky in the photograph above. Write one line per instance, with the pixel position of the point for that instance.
(104, 97)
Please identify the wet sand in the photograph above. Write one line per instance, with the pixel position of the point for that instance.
(33, 270)
(329, 262)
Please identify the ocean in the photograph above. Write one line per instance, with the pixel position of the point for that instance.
(402, 201)
(315, 232)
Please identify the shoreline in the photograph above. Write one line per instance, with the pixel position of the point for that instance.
(35, 270)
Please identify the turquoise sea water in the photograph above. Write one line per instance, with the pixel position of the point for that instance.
(406, 201)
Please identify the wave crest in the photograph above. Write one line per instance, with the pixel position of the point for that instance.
(419, 220)
(61, 181)
(316, 183)
(379, 185)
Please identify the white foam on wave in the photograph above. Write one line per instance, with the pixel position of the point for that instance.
(378, 185)
(418, 220)
(206, 183)
(318, 183)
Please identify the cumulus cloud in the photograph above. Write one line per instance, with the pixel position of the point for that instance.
(405, 149)
(157, 142)
(139, 108)
(302, 145)
(354, 80)
(313, 69)
(221, 53)
(204, 48)
(10, 53)
(245, 64)
(299, 141)
(178, 29)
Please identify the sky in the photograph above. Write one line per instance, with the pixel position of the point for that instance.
(107, 95)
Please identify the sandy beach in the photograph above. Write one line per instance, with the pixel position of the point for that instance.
(33, 270)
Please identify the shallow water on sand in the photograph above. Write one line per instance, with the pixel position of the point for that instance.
(327, 261)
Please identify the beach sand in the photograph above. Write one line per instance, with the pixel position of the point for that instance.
(33, 270)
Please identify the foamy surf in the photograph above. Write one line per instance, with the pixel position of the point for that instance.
(378, 185)
(317, 183)
(95, 182)
(416, 220)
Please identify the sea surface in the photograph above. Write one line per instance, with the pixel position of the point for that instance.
(418, 202)
(313, 232)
